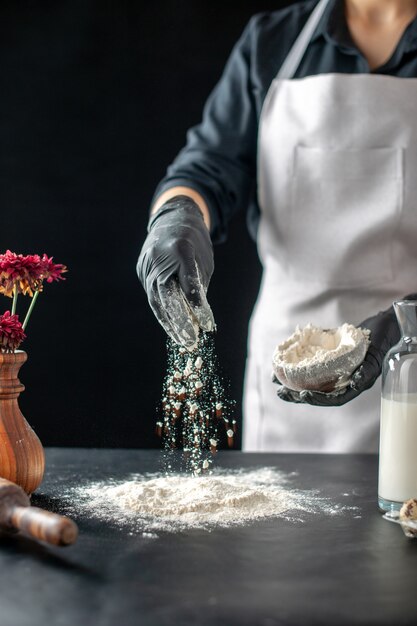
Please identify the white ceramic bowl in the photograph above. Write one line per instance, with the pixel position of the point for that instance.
(319, 359)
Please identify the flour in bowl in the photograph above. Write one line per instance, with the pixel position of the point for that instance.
(320, 359)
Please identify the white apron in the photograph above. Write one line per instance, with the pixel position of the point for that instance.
(337, 176)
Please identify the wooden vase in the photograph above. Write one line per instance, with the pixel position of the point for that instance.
(22, 458)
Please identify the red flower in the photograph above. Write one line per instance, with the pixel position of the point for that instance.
(26, 273)
(22, 272)
(52, 271)
(11, 332)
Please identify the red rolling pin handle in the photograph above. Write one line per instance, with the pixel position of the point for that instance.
(16, 512)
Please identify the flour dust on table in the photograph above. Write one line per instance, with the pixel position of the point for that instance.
(146, 503)
(195, 412)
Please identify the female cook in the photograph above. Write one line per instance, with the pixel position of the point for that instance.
(313, 127)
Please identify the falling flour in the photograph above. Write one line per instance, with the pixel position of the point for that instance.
(173, 503)
(194, 405)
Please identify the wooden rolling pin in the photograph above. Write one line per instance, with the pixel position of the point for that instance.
(17, 514)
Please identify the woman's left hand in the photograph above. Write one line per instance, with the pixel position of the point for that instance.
(385, 333)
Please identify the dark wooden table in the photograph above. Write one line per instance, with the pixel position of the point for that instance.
(349, 569)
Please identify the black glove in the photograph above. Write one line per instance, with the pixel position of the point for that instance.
(385, 333)
(175, 267)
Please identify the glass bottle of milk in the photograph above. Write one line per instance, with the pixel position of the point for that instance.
(398, 433)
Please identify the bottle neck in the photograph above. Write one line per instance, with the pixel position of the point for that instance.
(406, 313)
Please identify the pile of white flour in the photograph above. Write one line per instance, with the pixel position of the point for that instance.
(159, 502)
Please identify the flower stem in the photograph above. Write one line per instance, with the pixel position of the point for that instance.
(32, 304)
(14, 300)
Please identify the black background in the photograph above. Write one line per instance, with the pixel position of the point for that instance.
(96, 98)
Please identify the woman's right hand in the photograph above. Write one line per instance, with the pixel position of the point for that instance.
(175, 267)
